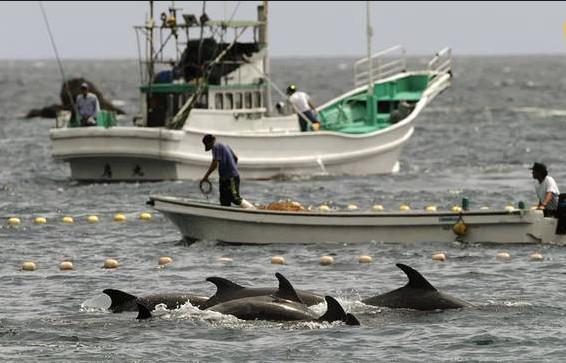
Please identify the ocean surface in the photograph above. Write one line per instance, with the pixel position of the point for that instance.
(475, 140)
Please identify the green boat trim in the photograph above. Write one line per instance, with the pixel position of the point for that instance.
(352, 115)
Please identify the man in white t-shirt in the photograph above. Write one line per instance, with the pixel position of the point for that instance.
(87, 106)
(546, 189)
(304, 108)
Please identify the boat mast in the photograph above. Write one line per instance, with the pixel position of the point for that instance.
(371, 106)
(150, 25)
(369, 35)
(263, 38)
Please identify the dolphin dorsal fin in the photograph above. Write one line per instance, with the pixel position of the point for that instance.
(335, 312)
(118, 298)
(143, 312)
(223, 285)
(286, 290)
(416, 280)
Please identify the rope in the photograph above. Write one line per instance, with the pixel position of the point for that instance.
(65, 85)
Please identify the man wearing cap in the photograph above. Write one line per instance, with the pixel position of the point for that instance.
(546, 190)
(305, 109)
(226, 161)
(87, 106)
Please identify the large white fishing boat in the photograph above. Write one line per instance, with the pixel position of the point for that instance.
(223, 87)
(197, 220)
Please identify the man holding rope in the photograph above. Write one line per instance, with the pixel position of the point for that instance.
(306, 111)
(226, 161)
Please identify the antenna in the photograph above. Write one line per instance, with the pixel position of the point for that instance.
(65, 84)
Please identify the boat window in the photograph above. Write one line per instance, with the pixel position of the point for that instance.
(202, 101)
(257, 99)
(238, 103)
(218, 101)
(248, 99)
(229, 101)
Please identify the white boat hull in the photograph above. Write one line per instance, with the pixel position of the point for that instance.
(201, 221)
(135, 154)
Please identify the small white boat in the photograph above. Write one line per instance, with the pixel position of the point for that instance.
(362, 131)
(203, 221)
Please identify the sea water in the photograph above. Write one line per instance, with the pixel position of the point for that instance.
(475, 141)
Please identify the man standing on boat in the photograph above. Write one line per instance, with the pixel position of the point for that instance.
(226, 161)
(305, 109)
(87, 106)
(546, 190)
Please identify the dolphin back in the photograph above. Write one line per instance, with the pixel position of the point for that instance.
(418, 294)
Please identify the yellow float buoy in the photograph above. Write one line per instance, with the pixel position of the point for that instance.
(165, 260)
(40, 220)
(484, 208)
(226, 259)
(29, 266)
(324, 208)
(119, 217)
(14, 221)
(460, 228)
(404, 208)
(509, 208)
(326, 260)
(277, 260)
(352, 207)
(430, 208)
(377, 208)
(92, 219)
(503, 256)
(456, 209)
(68, 220)
(110, 263)
(365, 259)
(439, 256)
(65, 266)
(145, 216)
(536, 256)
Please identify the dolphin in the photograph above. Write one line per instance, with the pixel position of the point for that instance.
(417, 294)
(227, 290)
(283, 305)
(122, 301)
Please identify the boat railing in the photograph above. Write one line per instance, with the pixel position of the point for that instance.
(383, 64)
(441, 63)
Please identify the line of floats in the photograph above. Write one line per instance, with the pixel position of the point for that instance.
(325, 260)
(119, 217)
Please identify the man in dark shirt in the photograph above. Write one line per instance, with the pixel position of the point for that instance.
(226, 161)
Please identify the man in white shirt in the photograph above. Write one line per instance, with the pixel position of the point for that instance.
(87, 106)
(546, 190)
(304, 108)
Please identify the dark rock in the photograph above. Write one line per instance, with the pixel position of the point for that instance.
(45, 112)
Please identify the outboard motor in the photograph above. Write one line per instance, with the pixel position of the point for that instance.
(561, 214)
